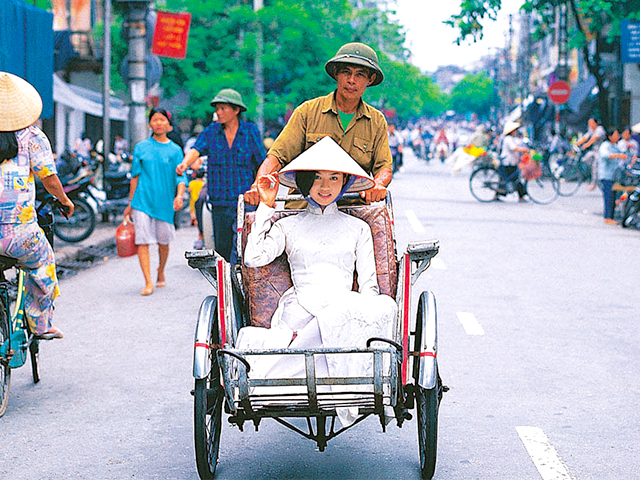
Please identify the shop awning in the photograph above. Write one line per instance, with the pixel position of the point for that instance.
(85, 100)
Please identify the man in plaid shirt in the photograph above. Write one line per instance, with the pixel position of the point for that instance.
(234, 152)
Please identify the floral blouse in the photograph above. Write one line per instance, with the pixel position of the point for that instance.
(17, 186)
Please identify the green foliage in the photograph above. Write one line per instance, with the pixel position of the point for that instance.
(594, 16)
(474, 93)
(299, 36)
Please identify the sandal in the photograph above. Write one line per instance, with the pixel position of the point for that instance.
(51, 334)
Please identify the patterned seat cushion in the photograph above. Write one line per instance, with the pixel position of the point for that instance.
(264, 286)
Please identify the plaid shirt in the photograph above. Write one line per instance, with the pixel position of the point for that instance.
(230, 171)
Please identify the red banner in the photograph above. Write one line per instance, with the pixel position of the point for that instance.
(171, 34)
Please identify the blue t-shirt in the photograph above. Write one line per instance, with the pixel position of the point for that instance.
(154, 164)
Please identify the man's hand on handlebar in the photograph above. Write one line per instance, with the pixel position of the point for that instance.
(375, 194)
(251, 196)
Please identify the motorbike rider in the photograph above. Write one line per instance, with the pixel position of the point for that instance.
(25, 153)
(442, 145)
(395, 145)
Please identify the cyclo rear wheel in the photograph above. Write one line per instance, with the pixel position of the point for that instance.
(208, 400)
(5, 371)
(484, 183)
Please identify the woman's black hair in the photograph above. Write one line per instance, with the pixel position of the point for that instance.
(304, 180)
(8, 146)
(161, 111)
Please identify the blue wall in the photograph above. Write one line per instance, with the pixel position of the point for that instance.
(26, 47)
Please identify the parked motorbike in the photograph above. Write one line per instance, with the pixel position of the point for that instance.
(631, 212)
(78, 180)
(81, 224)
(110, 200)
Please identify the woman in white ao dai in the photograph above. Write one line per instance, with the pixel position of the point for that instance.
(324, 247)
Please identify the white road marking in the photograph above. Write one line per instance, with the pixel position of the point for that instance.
(544, 456)
(438, 264)
(413, 220)
(470, 323)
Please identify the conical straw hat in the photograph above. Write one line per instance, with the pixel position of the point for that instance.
(20, 103)
(326, 155)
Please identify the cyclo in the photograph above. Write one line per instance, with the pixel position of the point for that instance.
(405, 369)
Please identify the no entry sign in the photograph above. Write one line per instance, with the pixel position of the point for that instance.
(559, 92)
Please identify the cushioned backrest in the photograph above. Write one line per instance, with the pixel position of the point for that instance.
(264, 286)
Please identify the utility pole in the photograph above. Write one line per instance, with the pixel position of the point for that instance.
(136, 23)
(563, 68)
(106, 83)
(257, 70)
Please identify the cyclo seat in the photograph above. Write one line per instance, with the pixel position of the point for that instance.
(264, 286)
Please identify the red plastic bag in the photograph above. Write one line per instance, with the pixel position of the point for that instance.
(126, 239)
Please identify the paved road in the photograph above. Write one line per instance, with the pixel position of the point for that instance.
(548, 298)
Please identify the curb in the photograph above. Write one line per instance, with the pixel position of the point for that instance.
(104, 238)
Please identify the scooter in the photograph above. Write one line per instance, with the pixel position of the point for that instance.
(631, 212)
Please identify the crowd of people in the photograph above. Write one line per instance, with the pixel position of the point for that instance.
(607, 153)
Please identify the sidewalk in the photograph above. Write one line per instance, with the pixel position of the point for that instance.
(102, 238)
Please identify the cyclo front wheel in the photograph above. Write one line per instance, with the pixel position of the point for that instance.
(77, 227)
(484, 183)
(427, 405)
(5, 371)
(208, 399)
(543, 190)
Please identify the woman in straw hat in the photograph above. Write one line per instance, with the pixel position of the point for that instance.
(25, 153)
(510, 154)
(323, 245)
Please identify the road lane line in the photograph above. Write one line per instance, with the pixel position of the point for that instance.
(544, 456)
(470, 323)
(413, 220)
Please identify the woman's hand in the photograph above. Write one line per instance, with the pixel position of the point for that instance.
(267, 186)
(127, 212)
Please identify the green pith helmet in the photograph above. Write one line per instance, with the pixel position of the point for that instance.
(230, 96)
(356, 54)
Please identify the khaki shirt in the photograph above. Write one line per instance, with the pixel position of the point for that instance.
(365, 139)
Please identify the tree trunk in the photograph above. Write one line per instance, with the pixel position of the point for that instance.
(603, 92)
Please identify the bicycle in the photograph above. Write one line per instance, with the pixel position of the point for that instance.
(487, 184)
(17, 334)
(571, 171)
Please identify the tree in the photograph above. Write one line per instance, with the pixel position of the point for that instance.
(299, 37)
(474, 93)
(597, 20)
